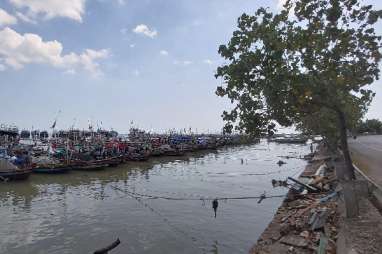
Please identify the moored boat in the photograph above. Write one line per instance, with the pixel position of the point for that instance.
(52, 169)
(291, 140)
(10, 172)
(49, 165)
(89, 165)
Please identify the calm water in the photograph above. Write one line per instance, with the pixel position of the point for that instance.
(81, 211)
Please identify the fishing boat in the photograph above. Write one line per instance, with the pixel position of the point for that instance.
(51, 169)
(133, 156)
(10, 172)
(89, 165)
(174, 152)
(291, 140)
(49, 165)
(112, 161)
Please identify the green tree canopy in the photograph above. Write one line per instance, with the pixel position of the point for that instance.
(311, 56)
(373, 126)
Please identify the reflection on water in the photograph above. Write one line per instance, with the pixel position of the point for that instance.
(80, 212)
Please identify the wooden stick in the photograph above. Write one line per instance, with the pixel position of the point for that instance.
(108, 248)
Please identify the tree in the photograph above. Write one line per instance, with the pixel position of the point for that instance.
(324, 122)
(370, 126)
(312, 56)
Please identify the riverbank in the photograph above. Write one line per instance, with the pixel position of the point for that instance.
(307, 221)
(318, 223)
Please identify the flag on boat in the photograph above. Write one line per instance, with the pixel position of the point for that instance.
(54, 124)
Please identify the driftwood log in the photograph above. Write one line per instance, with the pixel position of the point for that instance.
(108, 248)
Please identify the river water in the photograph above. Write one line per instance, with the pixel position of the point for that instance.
(80, 212)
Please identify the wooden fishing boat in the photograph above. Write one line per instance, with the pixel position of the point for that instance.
(17, 175)
(156, 151)
(136, 157)
(89, 165)
(49, 165)
(291, 140)
(174, 152)
(112, 162)
(52, 169)
(10, 172)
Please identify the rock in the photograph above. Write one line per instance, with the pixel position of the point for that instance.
(294, 240)
(305, 234)
(284, 228)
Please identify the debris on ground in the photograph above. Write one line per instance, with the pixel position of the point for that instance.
(307, 221)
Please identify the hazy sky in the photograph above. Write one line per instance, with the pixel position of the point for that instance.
(117, 61)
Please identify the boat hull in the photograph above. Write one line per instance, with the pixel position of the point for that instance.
(91, 167)
(15, 175)
(47, 170)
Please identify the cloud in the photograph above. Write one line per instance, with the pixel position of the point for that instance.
(17, 50)
(145, 30)
(132, 45)
(72, 9)
(6, 18)
(163, 52)
(208, 61)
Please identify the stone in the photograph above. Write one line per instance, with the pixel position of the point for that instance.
(294, 240)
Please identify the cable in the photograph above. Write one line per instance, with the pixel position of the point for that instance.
(193, 239)
(139, 195)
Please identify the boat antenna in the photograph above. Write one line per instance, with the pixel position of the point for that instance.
(74, 123)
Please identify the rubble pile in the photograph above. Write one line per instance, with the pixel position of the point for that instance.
(307, 221)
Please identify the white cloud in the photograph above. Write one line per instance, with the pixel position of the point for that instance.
(145, 30)
(17, 50)
(2, 67)
(208, 61)
(132, 45)
(6, 18)
(187, 62)
(163, 52)
(72, 9)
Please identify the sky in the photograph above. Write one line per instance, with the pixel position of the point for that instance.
(150, 63)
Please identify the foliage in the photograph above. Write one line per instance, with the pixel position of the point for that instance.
(370, 126)
(325, 122)
(309, 63)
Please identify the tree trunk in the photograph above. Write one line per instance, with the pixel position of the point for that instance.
(346, 172)
(349, 173)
